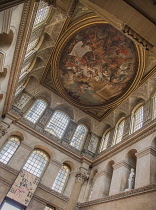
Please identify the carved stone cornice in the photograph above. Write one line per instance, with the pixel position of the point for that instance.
(5, 181)
(147, 151)
(56, 163)
(53, 192)
(145, 189)
(26, 146)
(8, 168)
(122, 164)
(104, 173)
(136, 37)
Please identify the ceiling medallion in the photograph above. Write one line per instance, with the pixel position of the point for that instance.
(95, 66)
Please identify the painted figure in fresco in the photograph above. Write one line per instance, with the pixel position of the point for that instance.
(97, 64)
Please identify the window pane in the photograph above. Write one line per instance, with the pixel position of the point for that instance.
(57, 124)
(9, 149)
(104, 142)
(36, 111)
(36, 163)
(138, 118)
(42, 13)
(79, 137)
(154, 107)
(49, 208)
(61, 179)
(32, 45)
(120, 129)
(7, 206)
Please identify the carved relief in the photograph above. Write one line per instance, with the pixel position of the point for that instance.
(70, 131)
(147, 111)
(81, 177)
(46, 116)
(93, 143)
(22, 101)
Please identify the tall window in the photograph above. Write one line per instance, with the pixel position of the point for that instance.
(79, 137)
(119, 131)
(57, 124)
(36, 111)
(154, 106)
(9, 149)
(61, 179)
(42, 13)
(36, 162)
(104, 141)
(137, 119)
(32, 45)
(49, 208)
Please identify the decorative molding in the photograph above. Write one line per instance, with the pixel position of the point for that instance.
(8, 168)
(56, 163)
(147, 151)
(5, 181)
(136, 37)
(121, 164)
(129, 140)
(81, 177)
(53, 192)
(26, 146)
(104, 173)
(145, 189)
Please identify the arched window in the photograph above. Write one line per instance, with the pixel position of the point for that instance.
(57, 124)
(61, 179)
(36, 111)
(32, 45)
(42, 13)
(36, 162)
(9, 149)
(137, 119)
(119, 131)
(24, 70)
(104, 141)
(47, 207)
(154, 106)
(79, 137)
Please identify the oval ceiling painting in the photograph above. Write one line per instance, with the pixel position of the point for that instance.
(98, 64)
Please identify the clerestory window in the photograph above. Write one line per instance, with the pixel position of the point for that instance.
(79, 137)
(119, 131)
(42, 13)
(104, 141)
(58, 124)
(36, 111)
(137, 120)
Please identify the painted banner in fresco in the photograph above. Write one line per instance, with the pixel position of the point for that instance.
(24, 187)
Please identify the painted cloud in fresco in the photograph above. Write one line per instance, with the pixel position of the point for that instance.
(98, 64)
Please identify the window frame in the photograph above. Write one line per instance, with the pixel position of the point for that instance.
(6, 142)
(133, 117)
(66, 180)
(64, 129)
(104, 139)
(117, 131)
(87, 130)
(30, 107)
(46, 165)
(154, 106)
(43, 21)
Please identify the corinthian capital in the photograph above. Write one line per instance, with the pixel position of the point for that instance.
(81, 177)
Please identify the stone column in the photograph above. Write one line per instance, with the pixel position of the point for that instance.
(81, 177)
(52, 169)
(146, 167)
(70, 184)
(119, 178)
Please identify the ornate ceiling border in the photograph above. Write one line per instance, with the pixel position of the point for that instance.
(96, 111)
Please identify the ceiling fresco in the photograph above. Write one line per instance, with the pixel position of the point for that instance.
(97, 64)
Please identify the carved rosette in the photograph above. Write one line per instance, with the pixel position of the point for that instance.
(81, 177)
